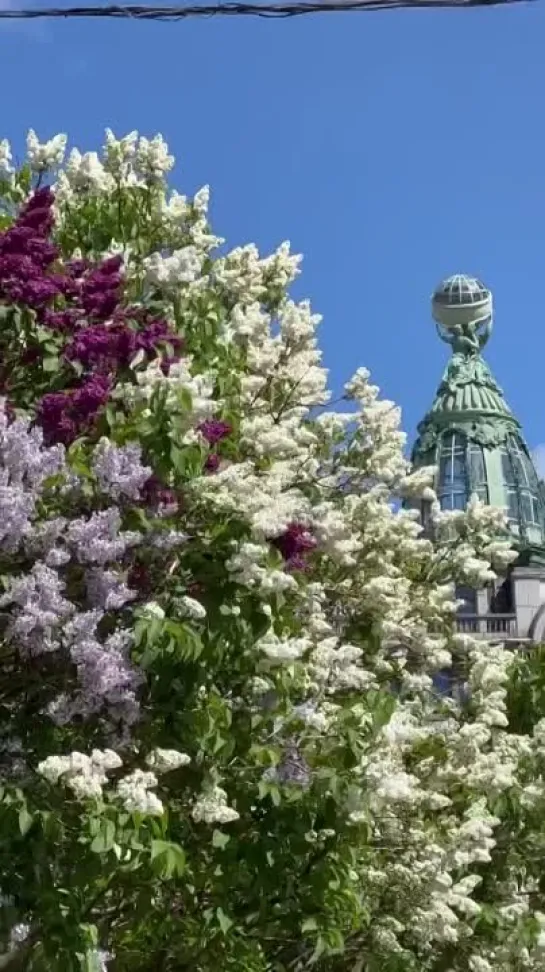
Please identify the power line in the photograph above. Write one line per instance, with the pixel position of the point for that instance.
(232, 9)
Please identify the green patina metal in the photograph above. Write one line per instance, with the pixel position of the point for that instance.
(470, 433)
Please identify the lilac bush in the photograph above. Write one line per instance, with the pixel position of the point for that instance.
(220, 747)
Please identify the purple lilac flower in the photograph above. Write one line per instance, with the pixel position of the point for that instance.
(159, 498)
(34, 293)
(90, 397)
(139, 579)
(97, 540)
(45, 537)
(37, 212)
(83, 625)
(101, 289)
(65, 415)
(294, 769)
(103, 346)
(22, 242)
(294, 544)
(77, 268)
(157, 332)
(24, 466)
(212, 462)
(214, 430)
(17, 507)
(63, 321)
(167, 539)
(22, 452)
(113, 344)
(26, 253)
(40, 612)
(55, 418)
(119, 469)
(107, 679)
(107, 590)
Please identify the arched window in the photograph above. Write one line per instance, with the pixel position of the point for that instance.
(521, 485)
(453, 478)
(478, 482)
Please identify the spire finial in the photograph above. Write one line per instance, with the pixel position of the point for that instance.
(462, 310)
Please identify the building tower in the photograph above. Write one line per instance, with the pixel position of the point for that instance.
(477, 445)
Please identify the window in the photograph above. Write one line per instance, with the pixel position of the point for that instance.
(477, 472)
(469, 596)
(453, 484)
(521, 484)
(501, 601)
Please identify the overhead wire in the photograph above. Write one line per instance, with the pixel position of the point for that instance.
(239, 9)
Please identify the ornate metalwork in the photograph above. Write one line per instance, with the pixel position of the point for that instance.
(469, 403)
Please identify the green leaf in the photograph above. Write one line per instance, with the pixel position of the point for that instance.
(105, 838)
(309, 924)
(220, 839)
(25, 820)
(50, 364)
(224, 921)
(170, 858)
(321, 947)
(383, 709)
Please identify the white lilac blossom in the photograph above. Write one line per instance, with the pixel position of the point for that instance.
(189, 607)
(212, 808)
(6, 167)
(45, 155)
(119, 155)
(153, 610)
(98, 960)
(135, 792)
(19, 934)
(174, 388)
(182, 266)
(166, 760)
(152, 159)
(86, 173)
(84, 775)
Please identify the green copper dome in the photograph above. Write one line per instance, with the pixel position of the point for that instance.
(470, 433)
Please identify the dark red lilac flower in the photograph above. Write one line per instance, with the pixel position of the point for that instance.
(65, 415)
(212, 462)
(214, 430)
(294, 544)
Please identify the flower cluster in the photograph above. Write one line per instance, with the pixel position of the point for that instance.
(84, 775)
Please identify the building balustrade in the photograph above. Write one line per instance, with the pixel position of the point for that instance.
(488, 625)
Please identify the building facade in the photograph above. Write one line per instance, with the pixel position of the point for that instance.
(471, 435)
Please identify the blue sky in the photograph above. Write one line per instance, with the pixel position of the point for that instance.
(392, 149)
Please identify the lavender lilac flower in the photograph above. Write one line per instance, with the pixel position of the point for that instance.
(40, 610)
(107, 680)
(97, 540)
(294, 769)
(107, 590)
(119, 469)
